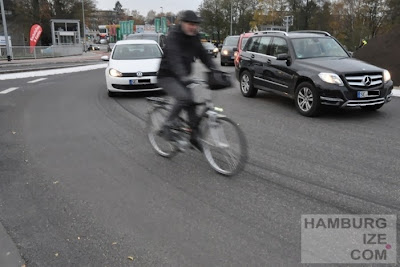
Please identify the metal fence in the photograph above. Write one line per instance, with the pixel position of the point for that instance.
(24, 52)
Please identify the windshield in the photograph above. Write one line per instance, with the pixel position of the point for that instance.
(313, 47)
(208, 45)
(136, 51)
(231, 41)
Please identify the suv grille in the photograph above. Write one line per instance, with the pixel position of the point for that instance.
(364, 80)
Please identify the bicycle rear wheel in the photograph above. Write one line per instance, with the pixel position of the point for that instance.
(155, 121)
(224, 146)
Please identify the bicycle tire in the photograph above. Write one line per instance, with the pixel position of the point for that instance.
(212, 157)
(157, 142)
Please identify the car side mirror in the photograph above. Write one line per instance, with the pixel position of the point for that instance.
(350, 53)
(235, 49)
(282, 57)
(105, 58)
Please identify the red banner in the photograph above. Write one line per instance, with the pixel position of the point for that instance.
(36, 31)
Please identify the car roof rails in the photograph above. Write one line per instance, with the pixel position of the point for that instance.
(265, 32)
(316, 32)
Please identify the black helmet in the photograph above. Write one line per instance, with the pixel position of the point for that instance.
(190, 16)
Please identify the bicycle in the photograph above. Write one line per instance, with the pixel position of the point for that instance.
(217, 149)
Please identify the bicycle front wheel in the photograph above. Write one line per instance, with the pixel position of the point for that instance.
(224, 146)
(155, 122)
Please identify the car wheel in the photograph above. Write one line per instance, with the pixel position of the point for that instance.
(372, 108)
(111, 94)
(246, 84)
(307, 100)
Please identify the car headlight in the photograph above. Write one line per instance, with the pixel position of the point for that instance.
(331, 78)
(115, 73)
(225, 52)
(386, 76)
(215, 50)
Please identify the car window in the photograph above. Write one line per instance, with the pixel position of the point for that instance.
(263, 46)
(317, 47)
(278, 46)
(252, 45)
(136, 51)
(231, 41)
(244, 41)
(208, 45)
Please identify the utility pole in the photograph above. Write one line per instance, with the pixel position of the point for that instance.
(84, 27)
(3, 16)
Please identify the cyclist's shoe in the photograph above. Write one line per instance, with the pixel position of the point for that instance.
(195, 141)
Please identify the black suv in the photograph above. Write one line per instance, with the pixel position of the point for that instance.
(313, 68)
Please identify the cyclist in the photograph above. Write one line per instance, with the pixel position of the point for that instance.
(182, 46)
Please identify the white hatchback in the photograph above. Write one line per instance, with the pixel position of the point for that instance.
(133, 66)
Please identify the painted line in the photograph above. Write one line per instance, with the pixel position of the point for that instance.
(38, 80)
(42, 73)
(396, 92)
(9, 90)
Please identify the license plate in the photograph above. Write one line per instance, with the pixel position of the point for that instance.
(362, 94)
(131, 82)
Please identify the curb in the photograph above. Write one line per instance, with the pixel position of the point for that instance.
(82, 63)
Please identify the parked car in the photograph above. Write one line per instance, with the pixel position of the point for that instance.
(210, 48)
(241, 43)
(133, 66)
(314, 69)
(227, 53)
(93, 47)
(160, 38)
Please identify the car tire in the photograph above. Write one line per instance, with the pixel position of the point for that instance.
(246, 84)
(111, 94)
(372, 108)
(307, 100)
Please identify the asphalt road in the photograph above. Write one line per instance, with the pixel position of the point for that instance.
(80, 185)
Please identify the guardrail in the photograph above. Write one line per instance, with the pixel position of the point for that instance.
(23, 52)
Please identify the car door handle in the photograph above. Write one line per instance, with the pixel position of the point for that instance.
(253, 56)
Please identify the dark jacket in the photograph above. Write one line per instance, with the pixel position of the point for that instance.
(179, 52)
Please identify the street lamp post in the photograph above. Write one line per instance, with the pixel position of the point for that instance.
(231, 18)
(3, 16)
(84, 27)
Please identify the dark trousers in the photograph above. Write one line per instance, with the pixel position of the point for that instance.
(184, 100)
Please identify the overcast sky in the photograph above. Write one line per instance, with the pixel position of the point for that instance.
(144, 6)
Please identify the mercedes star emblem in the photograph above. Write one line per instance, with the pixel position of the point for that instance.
(367, 81)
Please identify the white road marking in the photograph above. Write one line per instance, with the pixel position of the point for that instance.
(42, 73)
(38, 80)
(396, 92)
(9, 90)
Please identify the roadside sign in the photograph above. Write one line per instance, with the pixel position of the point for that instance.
(157, 24)
(164, 28)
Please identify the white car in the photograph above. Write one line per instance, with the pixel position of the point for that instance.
(133, 66)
